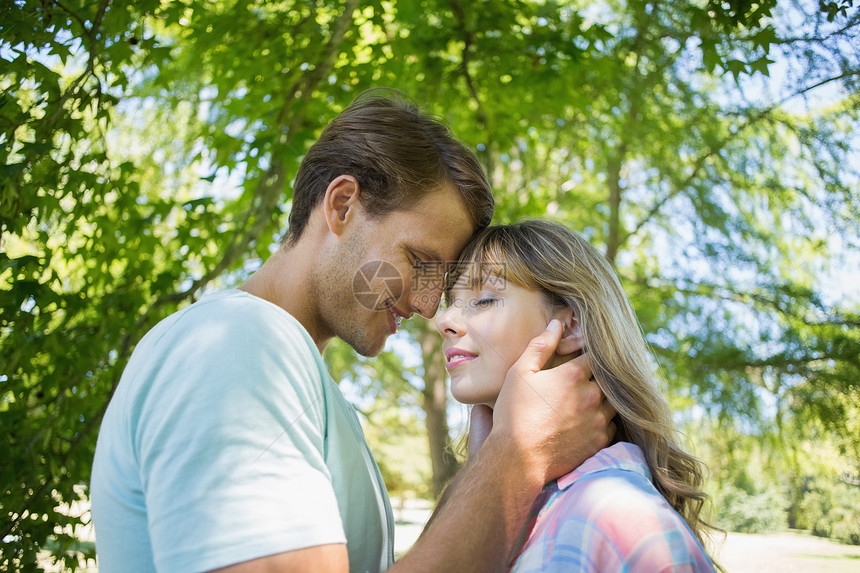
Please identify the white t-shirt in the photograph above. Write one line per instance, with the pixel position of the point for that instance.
(227, 440)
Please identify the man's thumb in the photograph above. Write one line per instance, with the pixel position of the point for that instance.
(540, 349)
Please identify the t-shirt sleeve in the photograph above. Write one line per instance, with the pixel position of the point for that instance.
(230, 443)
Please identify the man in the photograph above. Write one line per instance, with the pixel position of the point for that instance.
(228, 446)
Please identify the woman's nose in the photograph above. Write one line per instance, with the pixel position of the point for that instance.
(448, 323)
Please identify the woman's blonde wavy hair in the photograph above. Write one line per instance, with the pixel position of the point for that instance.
(548, 257)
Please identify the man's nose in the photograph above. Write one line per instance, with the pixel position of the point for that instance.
(426, 302)
(426, 287)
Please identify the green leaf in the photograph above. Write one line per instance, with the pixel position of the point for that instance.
(761, 65)
(194, 203)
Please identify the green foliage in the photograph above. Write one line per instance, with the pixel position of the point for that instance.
(751, 512)
(847, 530)
(746, 481)
(829, 509)
(825, 489)
(834, 9)
(148, 146)
(401, 450)
(765, 483)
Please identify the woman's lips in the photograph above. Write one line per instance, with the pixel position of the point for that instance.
(457, 356)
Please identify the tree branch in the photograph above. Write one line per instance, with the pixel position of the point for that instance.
(713, 150)
(91, 60)
(819, 39)
(468, 41)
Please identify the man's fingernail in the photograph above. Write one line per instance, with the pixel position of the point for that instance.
(553, 325)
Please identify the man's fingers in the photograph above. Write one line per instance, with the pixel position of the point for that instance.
(540, 349)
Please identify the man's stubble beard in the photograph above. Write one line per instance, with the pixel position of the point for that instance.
(340, 311)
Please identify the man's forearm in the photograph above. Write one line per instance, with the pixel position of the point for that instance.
(443, 499)
(480, 517)
(480, 426)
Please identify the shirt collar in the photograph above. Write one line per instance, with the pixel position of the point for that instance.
(621, 456)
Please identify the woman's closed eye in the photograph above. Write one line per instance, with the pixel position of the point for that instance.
(486, 299)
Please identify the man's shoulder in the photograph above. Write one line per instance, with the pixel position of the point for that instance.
(240, 307)
(232, 318)
(223, 339)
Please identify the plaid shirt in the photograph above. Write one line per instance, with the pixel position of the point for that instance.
(606, 515)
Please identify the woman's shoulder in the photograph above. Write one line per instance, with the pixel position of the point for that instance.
(611, 515)
(614, 492)
(610, 490)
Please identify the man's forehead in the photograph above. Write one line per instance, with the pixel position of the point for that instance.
(429, 253)
(439, 225)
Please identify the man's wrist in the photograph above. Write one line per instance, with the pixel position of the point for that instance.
(496, 489)
(523, 465)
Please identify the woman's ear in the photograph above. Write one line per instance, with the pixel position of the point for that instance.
(571, 334)
(340, 203)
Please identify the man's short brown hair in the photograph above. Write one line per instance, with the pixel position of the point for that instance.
(397, 152)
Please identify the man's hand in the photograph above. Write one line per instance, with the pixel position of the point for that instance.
(555, 419)
(545, 423)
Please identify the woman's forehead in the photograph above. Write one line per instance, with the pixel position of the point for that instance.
(474, 277)
(481, 266)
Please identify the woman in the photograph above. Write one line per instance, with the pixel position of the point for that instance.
(635, 505)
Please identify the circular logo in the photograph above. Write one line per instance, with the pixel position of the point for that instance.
(376, 283)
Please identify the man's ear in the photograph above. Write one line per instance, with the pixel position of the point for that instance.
(340, 203)
(571, 334)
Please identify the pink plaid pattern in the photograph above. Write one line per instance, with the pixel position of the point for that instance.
(606, 515)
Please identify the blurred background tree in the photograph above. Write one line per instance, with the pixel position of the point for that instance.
(708, 148)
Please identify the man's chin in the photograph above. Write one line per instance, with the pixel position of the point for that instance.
(370, 353)
(367, 348)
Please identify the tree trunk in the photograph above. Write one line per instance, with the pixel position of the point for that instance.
(613, 239)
